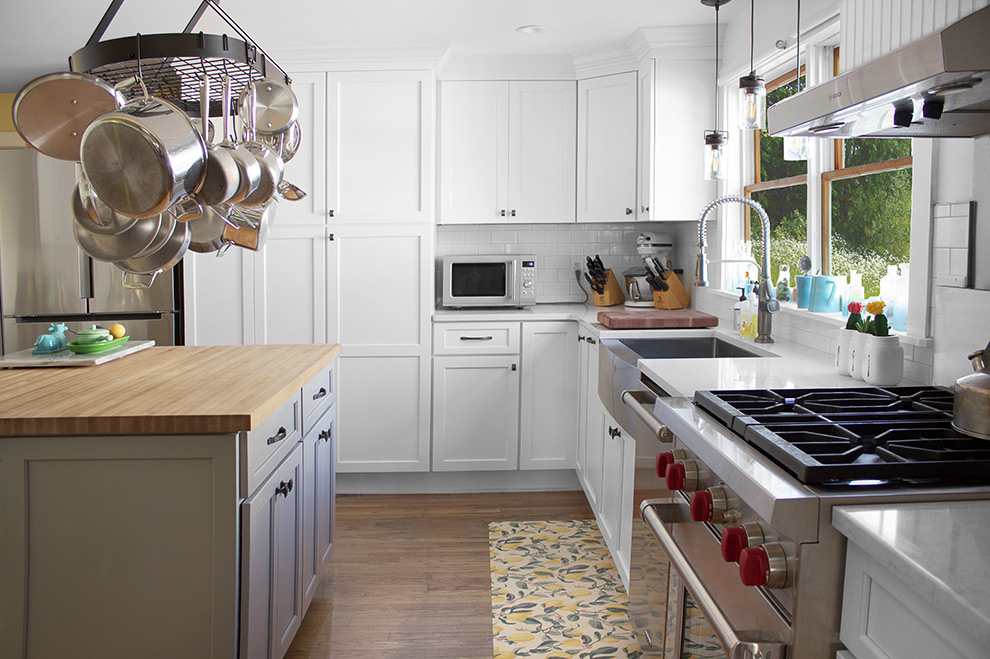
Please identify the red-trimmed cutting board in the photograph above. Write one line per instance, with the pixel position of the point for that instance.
(656, 319)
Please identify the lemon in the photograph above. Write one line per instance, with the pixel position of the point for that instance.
(116, 330)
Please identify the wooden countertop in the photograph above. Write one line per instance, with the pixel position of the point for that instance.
(161, 390)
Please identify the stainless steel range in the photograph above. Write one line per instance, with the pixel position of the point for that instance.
(745, 524)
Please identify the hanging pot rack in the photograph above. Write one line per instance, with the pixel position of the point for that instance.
(172, 65)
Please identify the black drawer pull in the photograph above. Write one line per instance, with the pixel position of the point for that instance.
(282, 488)
(279, 436)
(320, 394)
(325, 435)
(477, 338)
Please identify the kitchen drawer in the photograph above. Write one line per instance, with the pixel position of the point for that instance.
(475, 338)
(265, 446)
(317, 396)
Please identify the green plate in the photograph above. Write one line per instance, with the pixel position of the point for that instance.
(97, 347)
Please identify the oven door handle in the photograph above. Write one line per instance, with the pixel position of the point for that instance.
(743, 644)
(634, 399)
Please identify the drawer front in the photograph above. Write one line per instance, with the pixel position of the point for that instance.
(476, 338)
(318, 395)
(265, 446)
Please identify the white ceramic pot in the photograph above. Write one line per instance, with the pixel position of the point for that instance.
(857, 352)
(884, 364)
(842, 347)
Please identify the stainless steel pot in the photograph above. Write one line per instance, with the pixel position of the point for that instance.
(207, 231)
(250, 229)
(248, 167)
(140, 272)
(272, 168)
(286, 143)
(123, 245)
(95, 216)
(143, 158)
(222, 177)
(971, 411)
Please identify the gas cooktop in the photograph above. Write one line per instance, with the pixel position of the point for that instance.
(854, 435)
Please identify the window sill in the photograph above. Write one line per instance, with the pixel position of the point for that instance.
(829, 320)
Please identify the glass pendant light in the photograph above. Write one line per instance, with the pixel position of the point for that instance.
(752, 90)
(715, 169)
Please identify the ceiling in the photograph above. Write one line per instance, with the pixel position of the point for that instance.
(39, 37)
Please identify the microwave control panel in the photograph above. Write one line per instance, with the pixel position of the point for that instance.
(528, 280)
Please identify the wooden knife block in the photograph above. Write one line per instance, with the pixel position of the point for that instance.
(675, 297)
(612, 295)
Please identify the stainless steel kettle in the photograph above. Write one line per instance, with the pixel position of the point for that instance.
(971, 411)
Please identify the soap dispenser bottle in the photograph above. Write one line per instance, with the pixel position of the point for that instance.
(750, 313)
(737, 310)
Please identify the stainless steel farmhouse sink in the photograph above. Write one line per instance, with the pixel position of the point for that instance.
(692, 347)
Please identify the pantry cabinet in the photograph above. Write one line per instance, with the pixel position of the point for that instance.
(607, 148)
(507, 152)
(549, 402)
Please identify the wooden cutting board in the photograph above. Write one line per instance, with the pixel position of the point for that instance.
(656, 319)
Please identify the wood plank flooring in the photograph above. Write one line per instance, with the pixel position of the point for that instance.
(410, 574)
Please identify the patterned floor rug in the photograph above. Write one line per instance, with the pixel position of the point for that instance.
(556, 593)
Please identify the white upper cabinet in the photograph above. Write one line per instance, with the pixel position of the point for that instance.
(307, 168)
(647, 121)
(607, 148)
(507, 152)
(380, 141)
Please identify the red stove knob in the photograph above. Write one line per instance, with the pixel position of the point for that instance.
(682, 475)
(766, 565)
(667, 458)
(734, 541)
(754, 566)
(701, 506)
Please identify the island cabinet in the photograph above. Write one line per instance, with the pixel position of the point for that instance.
(176, 502)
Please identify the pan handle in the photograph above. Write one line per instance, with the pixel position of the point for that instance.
(140, 282)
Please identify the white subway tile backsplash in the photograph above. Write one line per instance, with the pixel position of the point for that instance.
(450, 238)
(504, 237)
(532, 236)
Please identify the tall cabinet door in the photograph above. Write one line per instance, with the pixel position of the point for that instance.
(474, 152)
(219, 298)
(475, 413)
(290, 285)
(308, 166)
(542, 151)
(548, 411)
(606, 184)
(380, 146)
(647, 119)
(379, 311)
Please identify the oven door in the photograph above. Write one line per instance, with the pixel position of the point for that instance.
(700, 608)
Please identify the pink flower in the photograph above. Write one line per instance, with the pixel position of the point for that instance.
(856, 307)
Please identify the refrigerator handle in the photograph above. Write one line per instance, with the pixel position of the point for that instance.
(85, 275)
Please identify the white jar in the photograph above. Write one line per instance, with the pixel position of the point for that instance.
(857, 355)
(884, 361)
(842, 347)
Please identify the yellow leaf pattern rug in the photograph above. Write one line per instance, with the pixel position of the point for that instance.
(556, 593)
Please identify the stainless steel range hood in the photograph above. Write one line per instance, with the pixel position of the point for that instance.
(937, 86)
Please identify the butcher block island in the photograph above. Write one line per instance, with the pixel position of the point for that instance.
(177, 502)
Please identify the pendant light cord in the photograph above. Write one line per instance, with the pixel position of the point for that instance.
(752, 33)
(797, 53)
(716, 67)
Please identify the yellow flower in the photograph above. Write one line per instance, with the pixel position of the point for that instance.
(571, 642)
(521, 637)
(876, 307)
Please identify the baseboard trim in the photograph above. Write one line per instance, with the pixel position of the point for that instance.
(458, 482)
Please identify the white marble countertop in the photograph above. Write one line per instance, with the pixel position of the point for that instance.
(941, 550)
(788, 364)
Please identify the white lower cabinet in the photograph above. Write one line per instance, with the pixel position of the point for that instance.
(318, 502)
(548, 410)
(618, 462)
(590, 445)
(476, 412)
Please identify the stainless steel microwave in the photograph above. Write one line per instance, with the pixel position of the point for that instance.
(482, 280)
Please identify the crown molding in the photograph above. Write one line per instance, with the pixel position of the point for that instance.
(507, 67)
(673, 42)
(605, 62)
(362, 58)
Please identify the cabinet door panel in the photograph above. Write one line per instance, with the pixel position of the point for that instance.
(610, 515)
(595, 455)
(606, 185)
(646, 143)
(325, 490)
(286, 568)
(384, 414)
(219, 298)
(308, 167)
(542, 151)
(475, 413)
(549, 396)
(474, 152)
(380, 145)
(318, 504)
(291, 282)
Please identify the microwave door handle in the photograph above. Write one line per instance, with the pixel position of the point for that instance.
(743, 644)
(511, 292)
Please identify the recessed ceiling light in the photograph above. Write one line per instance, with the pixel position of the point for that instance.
(532, 29)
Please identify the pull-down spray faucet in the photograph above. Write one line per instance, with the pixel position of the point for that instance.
(768, 304)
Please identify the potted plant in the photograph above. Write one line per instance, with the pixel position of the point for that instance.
(882, 361)
(845, 338)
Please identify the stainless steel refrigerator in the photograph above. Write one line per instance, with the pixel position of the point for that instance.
(45, 277)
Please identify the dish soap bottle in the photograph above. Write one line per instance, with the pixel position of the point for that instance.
(750, 313)
(737, 310)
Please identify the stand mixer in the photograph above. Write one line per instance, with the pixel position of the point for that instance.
(638, 291)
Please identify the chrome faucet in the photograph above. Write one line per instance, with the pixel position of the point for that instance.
(768, 305)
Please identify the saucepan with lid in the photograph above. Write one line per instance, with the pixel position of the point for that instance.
(971, 409)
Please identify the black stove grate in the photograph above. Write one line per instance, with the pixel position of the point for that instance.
(855, 434)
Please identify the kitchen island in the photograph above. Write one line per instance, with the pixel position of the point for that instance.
(177, 502)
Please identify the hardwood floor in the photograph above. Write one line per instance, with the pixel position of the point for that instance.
(410, 576)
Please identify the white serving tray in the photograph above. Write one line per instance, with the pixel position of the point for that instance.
(24, 358)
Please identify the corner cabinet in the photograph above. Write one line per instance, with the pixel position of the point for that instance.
(507, 152)
(607, 148)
